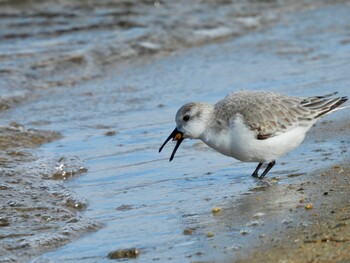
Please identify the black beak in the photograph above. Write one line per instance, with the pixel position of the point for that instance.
(176, 135)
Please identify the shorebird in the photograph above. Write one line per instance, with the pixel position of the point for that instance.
(252, 126)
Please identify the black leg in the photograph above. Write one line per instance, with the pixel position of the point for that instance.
(268, 168)
(255, 174)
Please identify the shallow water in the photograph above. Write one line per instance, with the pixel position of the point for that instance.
(117, 121)
(62, 43)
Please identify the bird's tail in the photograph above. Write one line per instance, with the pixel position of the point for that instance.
(323, 105)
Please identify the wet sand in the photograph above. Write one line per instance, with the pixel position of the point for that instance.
(37, 211)
(303, 219)
(306, 219)
(317, 225)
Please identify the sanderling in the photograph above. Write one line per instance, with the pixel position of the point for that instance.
(252, 126)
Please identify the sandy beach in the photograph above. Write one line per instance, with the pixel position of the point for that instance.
(319, 230)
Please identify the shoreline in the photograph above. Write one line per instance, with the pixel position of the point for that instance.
(300, 214)
(317, 228)
(306, 217)
(38, 211)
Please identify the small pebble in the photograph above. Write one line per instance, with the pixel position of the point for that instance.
(216, 210)
(124, 253)
(110, 133)
(245, 231)
(210, 234)
(188, 231)
(258, 215)
(309, 206)
(4, 221)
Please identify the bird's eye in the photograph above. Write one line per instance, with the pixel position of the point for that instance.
(186, 118)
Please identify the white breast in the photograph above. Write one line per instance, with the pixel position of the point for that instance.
(239, 142)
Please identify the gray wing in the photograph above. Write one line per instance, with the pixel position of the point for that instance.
(322, 105)
(269, 114)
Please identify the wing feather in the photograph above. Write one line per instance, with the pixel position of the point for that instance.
(269, 114)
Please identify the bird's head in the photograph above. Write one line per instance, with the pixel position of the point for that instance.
(191, 121)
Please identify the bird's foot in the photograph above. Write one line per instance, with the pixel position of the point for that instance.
(255, 175)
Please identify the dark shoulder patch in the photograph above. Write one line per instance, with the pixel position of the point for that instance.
(263, 136)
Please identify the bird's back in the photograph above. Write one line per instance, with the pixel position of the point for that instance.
(270, 114)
